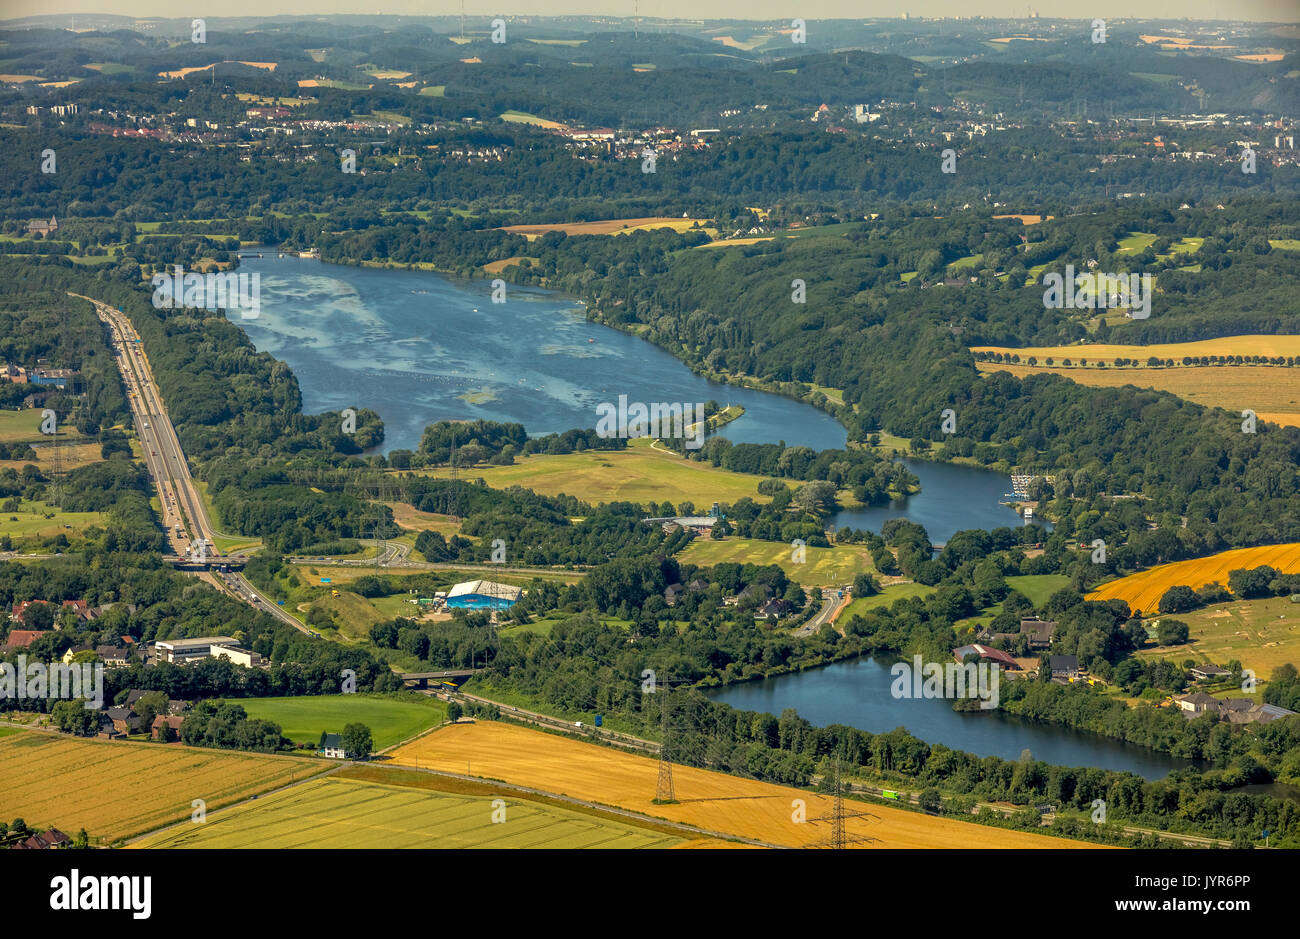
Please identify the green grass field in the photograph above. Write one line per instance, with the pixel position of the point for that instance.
(25, 425)
(639, 474)
(1038, 587)
(887, 597)
(42, 520)
(822, 566)
(1261, 634)
(390, 719)
(353, 813)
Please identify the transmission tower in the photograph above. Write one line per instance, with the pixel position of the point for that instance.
(664, 786)
(839, 838)
(453, 499)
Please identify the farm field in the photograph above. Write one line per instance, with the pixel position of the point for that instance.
(1264, 389)
(742, 807)
(1261, 634)
(343, 812)
(304, 719)
(637, 474)
(409, 517)
(115, 789)
(822, 567)
(1142, 591)
(1108, 352)
(615, 226)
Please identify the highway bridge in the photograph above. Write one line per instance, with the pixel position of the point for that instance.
(422, 679)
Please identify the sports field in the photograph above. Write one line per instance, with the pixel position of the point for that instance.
(638, 474)
(303, 719)
(709, 800)
(821, 566)
(1261, 634)
(1272, 392)
(1142, 591)
(115, 789)
(338, 812)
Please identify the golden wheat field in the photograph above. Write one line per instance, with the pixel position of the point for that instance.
(713, 801)
(1106, 352)
(613, 226)
(1142, 591)
(116, 789)
(1272, 392)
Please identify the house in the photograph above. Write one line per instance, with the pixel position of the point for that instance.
(672, 593)
(74, 650)
(22, 638)
(166, 720)
(1210, 672)
(1064, 666)
(114, 656)
(124, 720)
(19, 614)
(985, 654)
(331, 746)
(774, 609)
(43, 228)
(1039, 633)
(1197, 703)
(46, 840)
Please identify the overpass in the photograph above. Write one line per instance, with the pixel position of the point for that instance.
(422, 679)
(225, 563)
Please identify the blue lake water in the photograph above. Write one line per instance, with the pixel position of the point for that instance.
(857, 694)
(418, 347)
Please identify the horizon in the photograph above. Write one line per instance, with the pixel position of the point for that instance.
(1282, 12)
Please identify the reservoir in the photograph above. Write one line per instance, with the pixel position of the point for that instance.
(417, 347)
(857, 694)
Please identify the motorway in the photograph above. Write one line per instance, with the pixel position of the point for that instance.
(185, 518)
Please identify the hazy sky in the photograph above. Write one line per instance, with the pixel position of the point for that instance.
(1271, 10)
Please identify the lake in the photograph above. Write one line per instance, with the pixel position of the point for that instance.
(417, 347)
(857, 694)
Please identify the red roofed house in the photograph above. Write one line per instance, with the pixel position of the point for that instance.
(21, 638)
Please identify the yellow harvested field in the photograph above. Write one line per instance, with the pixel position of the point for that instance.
(182, 72)
(496, 267)
(1142, 591)
(19, 79)
(1260, 57)
(713, 801)
(1029, 219)
(116, 789)
(1272, 392)
(1228, 345)
(614, 226)
(409, 517)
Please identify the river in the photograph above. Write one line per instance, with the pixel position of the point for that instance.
(857, 694)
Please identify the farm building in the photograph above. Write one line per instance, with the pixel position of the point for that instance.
(331, 746)
(483, 595)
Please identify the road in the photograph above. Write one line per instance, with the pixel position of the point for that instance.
(185, 517)
(831, 607)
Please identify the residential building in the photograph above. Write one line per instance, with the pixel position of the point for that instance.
(985, 654)
(22, 638)
(1064, 667)
(332, 747)
(43, 228)
(166, 720)
(1039, 633)
(47, 840)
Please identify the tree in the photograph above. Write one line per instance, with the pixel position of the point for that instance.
(1172, 632)
(930, 800)
(1178, 599)
(73, 717)
(82, 840)
(356, 741)
(454, 711)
